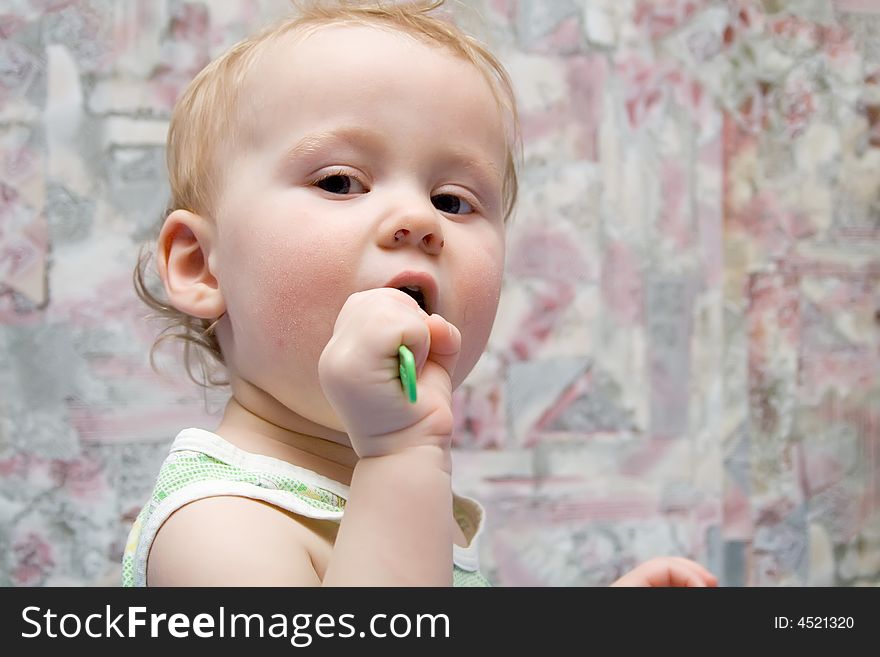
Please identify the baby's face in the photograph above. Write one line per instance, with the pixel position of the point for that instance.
(371, 154)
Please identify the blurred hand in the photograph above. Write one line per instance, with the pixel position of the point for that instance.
(668, 571)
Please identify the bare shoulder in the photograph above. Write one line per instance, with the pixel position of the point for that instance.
(231, 541)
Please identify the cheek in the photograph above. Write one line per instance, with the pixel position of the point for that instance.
(479, 313)
(482, 289)
(288, 293)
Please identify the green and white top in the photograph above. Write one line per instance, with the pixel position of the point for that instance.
(202, 464)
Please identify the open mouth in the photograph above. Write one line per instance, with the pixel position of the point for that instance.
(419, 285)
(416, 293)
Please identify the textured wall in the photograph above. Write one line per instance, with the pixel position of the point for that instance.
(687, 355)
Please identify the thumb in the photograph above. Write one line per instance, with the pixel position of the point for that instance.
(445, 343)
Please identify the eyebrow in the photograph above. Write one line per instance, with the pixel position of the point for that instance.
(485, 169)
(313, 143)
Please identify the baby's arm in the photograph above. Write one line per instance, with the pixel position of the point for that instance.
(668, 571)
(231, 541)
(397, 529)
(397, 525)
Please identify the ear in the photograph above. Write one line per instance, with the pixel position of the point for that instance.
(184, 263)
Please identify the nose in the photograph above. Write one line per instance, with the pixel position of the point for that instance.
(417, 226)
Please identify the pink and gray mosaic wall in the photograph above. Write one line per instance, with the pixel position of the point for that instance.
(687, 355)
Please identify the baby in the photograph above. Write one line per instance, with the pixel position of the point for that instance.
(340, 186)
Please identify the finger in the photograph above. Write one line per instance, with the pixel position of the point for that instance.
(416, 335)
(699, 570)
(664, 573)
(445, 343)
(668, 572)
(627, 580)
(364, 304)
(687, 575)
(402, 313)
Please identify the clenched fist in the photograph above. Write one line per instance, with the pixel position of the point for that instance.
(358, 371)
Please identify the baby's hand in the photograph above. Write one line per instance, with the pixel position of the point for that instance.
(358, 371)
(668, 571)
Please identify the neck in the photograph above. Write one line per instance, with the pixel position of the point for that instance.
(292, 439)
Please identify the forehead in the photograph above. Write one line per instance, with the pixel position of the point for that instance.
(369, 43)
(324, 70)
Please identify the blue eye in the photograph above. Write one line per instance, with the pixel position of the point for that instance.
(341, 184)
(451, 204)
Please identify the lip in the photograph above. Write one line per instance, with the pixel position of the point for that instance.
(420, 279)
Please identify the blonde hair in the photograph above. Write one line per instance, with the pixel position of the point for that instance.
(200, 126)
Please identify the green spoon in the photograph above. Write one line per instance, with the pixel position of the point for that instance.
(407, 373)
